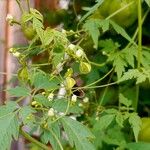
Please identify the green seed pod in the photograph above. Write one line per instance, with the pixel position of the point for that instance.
(84, 67)
(70, 82)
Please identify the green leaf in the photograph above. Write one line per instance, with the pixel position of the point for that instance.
(61, 105)
(129, 55)
(92, 10)
(41, 81)
(135, 123)
(19, 91)
(148, 2)
(41, 99)
(119, 119)
(47, 37)
(23, 74)
(57, 57)
(35, 13)
(138, 146)
(78, 134)
(118, 62)
(104, 122)
(108, 45)
(114, 136)
(120, 31)
(38, 26)
(93, 25)
(140, 75)
(9, 126)
(26, 17)
(123, 100)
(26, 114)
(8, 108)
(47, 136)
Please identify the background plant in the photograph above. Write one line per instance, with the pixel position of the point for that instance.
(85, 92)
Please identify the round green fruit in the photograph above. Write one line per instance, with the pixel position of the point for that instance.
(125, 17)
(28, 32)
(144, 134)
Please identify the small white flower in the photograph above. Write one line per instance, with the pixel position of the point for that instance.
(43, 93)
(12, 50)
(97, 118)
(79, 53)
(104, 53)
(71, 46)
(86, 100)
(74, 98)
(50, 96)
(80, 105)
(66, 56)
(79, 17)
(16, 54)
(71, 31)
(61, 92)
(61, 113)
(63, 31)
(59, 67)
(51, 112)
(73, 117)
(9, 17)
(34, 103)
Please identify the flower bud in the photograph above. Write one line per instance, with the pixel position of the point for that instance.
(34, 103)
(79, 53)
(74, 98)
(12, 50)
(84, 67)
(59, 68)
(51, 112)
(71, 46)
(9, 17)
(70, 82)
(86, 100)
(63, 31)
(80, 105)
(50, 96)
(16, 54)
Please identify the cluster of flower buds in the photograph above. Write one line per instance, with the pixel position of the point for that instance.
(10, 19)
(51, 112)
(76, 51)
(14, 52)
(74, 98)
(50, 96)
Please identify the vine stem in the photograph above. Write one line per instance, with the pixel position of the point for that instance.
(20, 6)
(135, 103)
(28, 4)
(31, 139)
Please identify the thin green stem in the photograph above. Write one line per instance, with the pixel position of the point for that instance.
(66, 111)
(105, 91)
(135, 103)
(94, 87)
(56, 138)
(19, 4)
(31, 139)
(137, 29)
(74, 8)
(95, 64)
(139, 34)
(119, 10)
(39, 65)
(100, 78)
(5, 73)
(28, 4)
